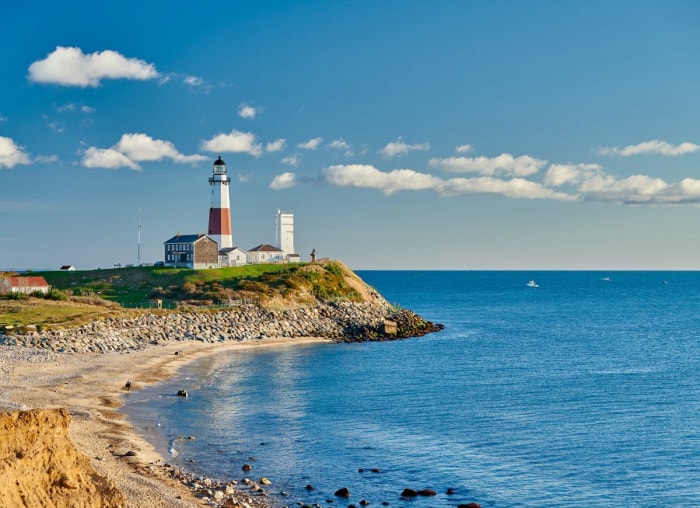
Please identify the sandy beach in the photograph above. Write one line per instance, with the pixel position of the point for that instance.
(90, 385)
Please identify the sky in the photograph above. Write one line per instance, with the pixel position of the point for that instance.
(460, 134)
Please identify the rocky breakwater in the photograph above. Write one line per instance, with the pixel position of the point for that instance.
(342, 321)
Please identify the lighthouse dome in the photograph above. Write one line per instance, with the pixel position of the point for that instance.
(219, 162)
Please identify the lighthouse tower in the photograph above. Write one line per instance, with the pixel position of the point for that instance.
(219, 212)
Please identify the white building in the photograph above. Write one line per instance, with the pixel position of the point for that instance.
(265, 253)
(24, 285)
(233, 256)
(284, 235)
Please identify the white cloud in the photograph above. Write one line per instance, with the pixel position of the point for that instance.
(311, 144)
(398, 147)
(141, 147)
(283, 181)
(247, 111)
(518, 188)
(596, 185)
(71, 67)
(631, 190)
(192, 80)
(108, 158)
(70, 107)
(504, 164)
(292, 160)
(654, 146)
(46, 159)
(365, 176)
(234, 142)
(56, 127)
(571, 174)
(11, 154)
(134, 148)
(275, 146)
(463, 148)
(341, 144)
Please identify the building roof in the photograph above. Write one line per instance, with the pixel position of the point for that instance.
(219, 162)
(230, 249)
(264, 248)
(67, 267)
(24, 282)
(186, 238)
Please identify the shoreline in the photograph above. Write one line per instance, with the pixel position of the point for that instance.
(90, 386)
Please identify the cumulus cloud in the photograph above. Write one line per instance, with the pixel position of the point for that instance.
(463, 148)
(11, 154)
(292, 160)
(193, 81)
(594, 184)
(635, 189)
(69, 66)
(141, 147)
(311, 144)
(107, 158)
(504, 165)
(398, 147)
(233, 142)
(570, 174)
(342, 145)
(518, 188)
(654, 146)
(361, 175)
(275, 146)
(585, 182)
(365, 176)
(247, 111)
(283, 181)
(134, 148)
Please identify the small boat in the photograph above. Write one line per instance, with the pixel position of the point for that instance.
(606, 279)
(532, 284)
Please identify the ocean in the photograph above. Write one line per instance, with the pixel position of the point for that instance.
(583, 391)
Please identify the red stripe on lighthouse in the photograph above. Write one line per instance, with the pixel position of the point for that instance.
(219, 221)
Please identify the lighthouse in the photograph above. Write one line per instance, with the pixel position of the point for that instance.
(219, 212)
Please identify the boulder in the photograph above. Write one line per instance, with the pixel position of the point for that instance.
(342, 492)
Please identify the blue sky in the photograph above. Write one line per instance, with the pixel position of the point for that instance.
(402, 134)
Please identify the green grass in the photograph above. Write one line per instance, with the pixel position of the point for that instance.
(137, 286)
(85, 295)
(39, 312)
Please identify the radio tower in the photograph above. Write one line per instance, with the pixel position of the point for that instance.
(138, 234)
(219, 212)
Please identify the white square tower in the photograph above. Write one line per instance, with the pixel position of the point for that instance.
(284, 232)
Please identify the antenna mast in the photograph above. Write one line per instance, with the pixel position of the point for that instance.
(138, 232)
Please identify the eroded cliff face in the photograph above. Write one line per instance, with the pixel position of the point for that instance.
(40, 467)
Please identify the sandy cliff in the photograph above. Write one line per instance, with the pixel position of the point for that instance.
(40, 467)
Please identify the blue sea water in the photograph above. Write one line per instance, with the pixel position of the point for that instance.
(584, 391)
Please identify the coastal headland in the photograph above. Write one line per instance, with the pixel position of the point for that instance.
(60, 387)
